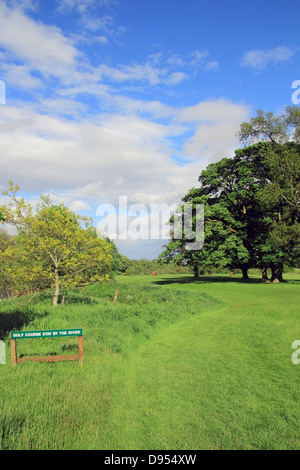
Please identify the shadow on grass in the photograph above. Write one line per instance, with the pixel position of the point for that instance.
(215, 279)
(16, 320)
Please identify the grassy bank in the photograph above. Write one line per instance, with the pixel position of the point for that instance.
(174, 364)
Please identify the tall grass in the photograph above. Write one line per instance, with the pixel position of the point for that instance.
(63, 405)
(174, 364)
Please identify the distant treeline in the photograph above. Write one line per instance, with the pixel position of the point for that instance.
(146, 267)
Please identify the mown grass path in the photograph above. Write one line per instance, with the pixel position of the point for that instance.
(221, 380)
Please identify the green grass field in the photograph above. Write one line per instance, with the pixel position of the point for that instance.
(176, 364)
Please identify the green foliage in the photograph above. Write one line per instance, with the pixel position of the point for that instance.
(54, 247)
(140, 308)
(252, 206)
(147, 267)
(119, 264)
(271, 128)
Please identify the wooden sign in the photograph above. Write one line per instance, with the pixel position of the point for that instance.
(14, 335)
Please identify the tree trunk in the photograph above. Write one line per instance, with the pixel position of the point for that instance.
(196, 270)
(56, 289)
(277, 271)
(264, 273)
(244, 269)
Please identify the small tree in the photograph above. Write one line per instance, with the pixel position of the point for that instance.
(120, 263)
(56, 247)
(7, 263)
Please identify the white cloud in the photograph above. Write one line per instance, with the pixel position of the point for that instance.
(83, 5)
(88, 16)
(20, 77)
(129, 106)
(198, 57)
(153, 75)
(157, 69)
(146, 150)
(216, 125)
(259, 59)
(41, 47)
(211, 65)
(64, 6)
(61, 107)
(42, 52)
(97, 160)
(214, 111)
(78, 206)
(24, 5)
(176, 78)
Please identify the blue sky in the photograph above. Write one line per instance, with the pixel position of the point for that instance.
(110, 98)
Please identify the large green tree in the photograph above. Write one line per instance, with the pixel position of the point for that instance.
(251, 206)
(228, 191)
(280, 197)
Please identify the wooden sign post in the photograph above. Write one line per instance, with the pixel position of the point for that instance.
(14, 335)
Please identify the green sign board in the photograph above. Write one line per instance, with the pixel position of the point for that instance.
(45, 334)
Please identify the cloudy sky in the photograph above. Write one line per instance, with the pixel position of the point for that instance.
(133, 98)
